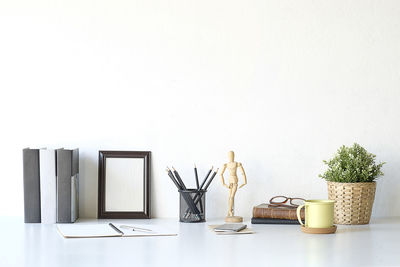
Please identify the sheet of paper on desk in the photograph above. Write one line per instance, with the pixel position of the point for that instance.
(77, 230)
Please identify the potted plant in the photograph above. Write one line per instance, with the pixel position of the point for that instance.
(351, 178)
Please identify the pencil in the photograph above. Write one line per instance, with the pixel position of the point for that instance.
(173, 179)
(196, 177)
(210, 180)
(179, 179)
(205, 179)
(198, 197)
(197, 185)
(185, 195)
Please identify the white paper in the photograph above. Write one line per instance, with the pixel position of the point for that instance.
(86, 230)
(105, 230)
(124, 184)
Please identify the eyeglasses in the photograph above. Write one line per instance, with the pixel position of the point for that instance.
(281, 201)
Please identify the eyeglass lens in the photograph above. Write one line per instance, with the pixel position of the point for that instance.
(278, 199)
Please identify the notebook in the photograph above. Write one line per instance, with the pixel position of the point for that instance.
(230, 227)
(106, 230)
(244, 231)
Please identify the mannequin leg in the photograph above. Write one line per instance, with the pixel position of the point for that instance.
(232, 193)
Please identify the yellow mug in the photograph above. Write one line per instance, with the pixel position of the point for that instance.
(318, 213)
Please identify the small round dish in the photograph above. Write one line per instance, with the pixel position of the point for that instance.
(309, 230)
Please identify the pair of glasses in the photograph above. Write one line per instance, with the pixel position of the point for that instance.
(282, 201)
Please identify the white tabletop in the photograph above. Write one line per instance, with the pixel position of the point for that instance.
(377, 244)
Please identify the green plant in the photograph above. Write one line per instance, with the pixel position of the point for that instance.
(352, 165)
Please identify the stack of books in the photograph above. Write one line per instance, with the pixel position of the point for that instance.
(269, 214)
(51, 188)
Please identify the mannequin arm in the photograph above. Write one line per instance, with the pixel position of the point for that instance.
(222, 176)
(244, 175)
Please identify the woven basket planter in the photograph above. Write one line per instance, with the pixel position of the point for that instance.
(353, 201)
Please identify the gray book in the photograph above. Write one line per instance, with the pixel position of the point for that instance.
(31, 177)
(67, 185)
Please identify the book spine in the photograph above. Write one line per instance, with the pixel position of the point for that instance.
(31, 182)
(67, 185)
(64, 171)
(273, 221)
(276, 213)
(75, 186)
(48, 186)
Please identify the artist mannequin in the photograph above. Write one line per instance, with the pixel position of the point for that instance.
(232, 166)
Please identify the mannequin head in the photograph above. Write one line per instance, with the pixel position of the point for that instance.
(231, 156)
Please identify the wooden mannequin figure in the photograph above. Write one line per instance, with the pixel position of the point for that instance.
(233, 184)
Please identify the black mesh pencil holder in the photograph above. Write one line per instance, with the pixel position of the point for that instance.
(192, 205)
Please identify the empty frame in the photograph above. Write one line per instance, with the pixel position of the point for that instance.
(124, 185)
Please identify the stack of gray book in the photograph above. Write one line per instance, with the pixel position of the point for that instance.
(51, 185)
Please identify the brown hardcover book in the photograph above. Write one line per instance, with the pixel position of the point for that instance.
(268, 212)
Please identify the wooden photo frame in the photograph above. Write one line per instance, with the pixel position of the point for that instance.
(124, 185)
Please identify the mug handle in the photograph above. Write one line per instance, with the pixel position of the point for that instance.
(298, 214)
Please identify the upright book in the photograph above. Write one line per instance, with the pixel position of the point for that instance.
(67, 185)
(31, 181)
(48, 185)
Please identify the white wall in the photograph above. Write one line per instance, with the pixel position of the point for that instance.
(283, 83)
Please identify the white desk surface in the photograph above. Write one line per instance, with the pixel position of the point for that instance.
(376, 244)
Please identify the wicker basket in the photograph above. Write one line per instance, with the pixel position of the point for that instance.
(353, 201)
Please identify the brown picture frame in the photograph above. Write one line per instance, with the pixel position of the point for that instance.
(102, 213)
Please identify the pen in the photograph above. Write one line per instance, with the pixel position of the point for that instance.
(116, 229)
(134, 228)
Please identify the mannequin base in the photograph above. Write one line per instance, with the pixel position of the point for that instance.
(234, 219)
